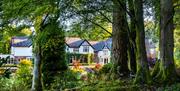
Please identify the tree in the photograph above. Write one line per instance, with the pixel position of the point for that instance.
(167, 71)
(177, 30)
(53, 52)
(89, 19)
(38, 13)
(142, 75)
(132, 38)
(119, 38)
(7, 33)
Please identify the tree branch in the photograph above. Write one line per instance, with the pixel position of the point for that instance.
(98, 10)
(94, 23)
(42, 25)
(99, 26)
(177, 5)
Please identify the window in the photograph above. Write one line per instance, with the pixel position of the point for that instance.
(85, 48)
(105, 60)
(76, 50)
(105, 52)
(67, 49)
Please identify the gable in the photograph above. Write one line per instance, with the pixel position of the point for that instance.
(85, 43)
(105, 47)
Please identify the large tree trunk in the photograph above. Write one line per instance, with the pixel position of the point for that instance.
(37, 77)
(37, 69)
(142, 75)
(132, 38)
(167, 71)
(119, 38)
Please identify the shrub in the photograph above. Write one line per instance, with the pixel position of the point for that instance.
(4, 72)
(52, 42)
(12, 84)
(84, 58)
(106, 68)
(66, 80)
(24, 71)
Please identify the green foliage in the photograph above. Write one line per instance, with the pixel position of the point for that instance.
(90, 19)
(24, 72)
(177, 63)
(66, 80)
(177, 42)
(7, 33)
(21, 81)
(106, 68)
(177, 55)
(3, 60)
(114, 85)
(52, 48)
(173, 87)
(12, 84)
(5, 72)
(92, 33)
(90, 58)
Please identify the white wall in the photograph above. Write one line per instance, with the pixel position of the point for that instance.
(102, 56)
(21, 51)
(70, 50)
(91, 50)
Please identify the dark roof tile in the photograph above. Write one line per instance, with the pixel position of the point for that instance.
(26, 43)
(76, 44)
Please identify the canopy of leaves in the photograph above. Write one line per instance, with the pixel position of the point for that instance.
(90, 19)
(7, 33)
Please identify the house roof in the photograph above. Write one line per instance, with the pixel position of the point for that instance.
(26, 43)
(74, 42)
(20, 37)
(109, 43)
(70, 40)
(77, 42)
(93, 42)
(98, 46)
(21, 41)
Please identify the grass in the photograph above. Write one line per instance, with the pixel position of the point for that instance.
(120, 85)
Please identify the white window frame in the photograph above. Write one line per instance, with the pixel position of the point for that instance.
(75, 50)
(105, 52)
(85, 48)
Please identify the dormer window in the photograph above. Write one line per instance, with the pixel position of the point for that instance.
(85, 48)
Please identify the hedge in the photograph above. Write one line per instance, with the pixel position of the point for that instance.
(84, 58)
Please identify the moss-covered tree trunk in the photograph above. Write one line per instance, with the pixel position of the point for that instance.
(167, 71)
(142, 75)
(119, 38)
(132, 38)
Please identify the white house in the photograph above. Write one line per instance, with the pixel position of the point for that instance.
(77, 45)
(21, 47)
(102, 51)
